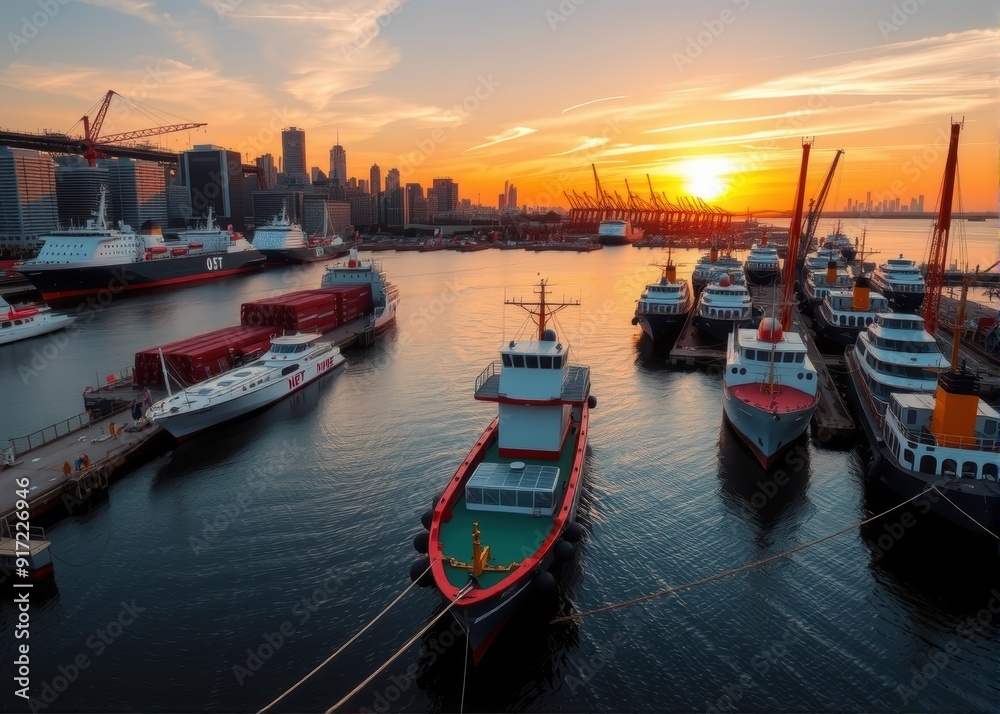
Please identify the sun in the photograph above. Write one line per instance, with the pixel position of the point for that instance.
(705, 177)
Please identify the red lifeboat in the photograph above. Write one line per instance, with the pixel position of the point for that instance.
(724, 281)
(18, 312)
(769, 330)
(195, 246)
(179, 251)
(157, 249)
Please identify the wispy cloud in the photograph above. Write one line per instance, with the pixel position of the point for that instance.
(591, 142)
(516, 133)
(594, 101)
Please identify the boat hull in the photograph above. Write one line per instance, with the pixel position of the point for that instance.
(184, 425)
(661, 327)
(80, 280)
(766, 433)
(309, 254)
(617, 240)
(903, 302)
(52, 323)
(762, 276)
(720, 329)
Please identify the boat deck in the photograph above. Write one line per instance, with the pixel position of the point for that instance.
(575, 387)
(511, 536)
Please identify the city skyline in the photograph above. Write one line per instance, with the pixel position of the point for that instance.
(696, 98)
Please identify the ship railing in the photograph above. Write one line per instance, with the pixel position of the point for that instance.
(928, 438)
(24, 444)
(493, 368)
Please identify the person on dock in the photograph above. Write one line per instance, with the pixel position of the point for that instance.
(67, 469)
(86, 461)
(111, 430)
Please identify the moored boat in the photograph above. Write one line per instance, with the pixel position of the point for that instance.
(762, 266)
(292, 362)
(723, 306)
(664, 305)
(617, 232)
(101, 258)
(843, 314)
(820, 282)
(710, 266)
(24, 321)
(900, 281)
(24, 552)
(282, 241)
(385, 295)
(509, 511)
(770, 388)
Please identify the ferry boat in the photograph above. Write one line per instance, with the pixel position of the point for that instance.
(22, 322)
(34, 554)
(509, 511)
(664, 305)
(722, 307)
(843, 314)
(820, 282)
(762, 266)
(385, 295)
(895, 355)
(617, 232)
(771, 388)
(282, 241)
(292, 362)
(102, 258)
(839, 241)
(900, 281)
(710, 266)
(949, 439)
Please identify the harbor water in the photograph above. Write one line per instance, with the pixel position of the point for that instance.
(215, 576)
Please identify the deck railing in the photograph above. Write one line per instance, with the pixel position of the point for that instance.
(491, 369)
(929, 438)
(24, 444)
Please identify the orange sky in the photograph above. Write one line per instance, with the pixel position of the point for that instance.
(709, 99)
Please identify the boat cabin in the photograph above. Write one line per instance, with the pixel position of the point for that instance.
(513, 488)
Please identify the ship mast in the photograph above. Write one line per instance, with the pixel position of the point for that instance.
(544, 309)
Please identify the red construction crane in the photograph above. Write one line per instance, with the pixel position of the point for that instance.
(934, 280)
(93, 142)
(794, 230)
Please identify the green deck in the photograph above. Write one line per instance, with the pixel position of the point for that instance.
(511, 536)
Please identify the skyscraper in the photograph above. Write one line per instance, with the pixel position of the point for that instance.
(446, 191)
(293, 150)
(78, 190)
(392, 179)
(416, 203)
(27, 196)
(338, 164)
(376, 180)
(265, 164)
(138, 191)
(214, 176)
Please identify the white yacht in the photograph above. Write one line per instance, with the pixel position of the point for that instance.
(663, 307)
(292, 362)
(282, 241)
(844, 314)
(902, 284)
(724, 305)
(762, 266)
(19, 323)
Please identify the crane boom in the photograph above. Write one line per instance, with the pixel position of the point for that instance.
(817, 209)
(939, 243)
(793, 240)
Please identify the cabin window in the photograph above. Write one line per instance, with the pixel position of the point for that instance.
(928, 464)
(970, 469)
(990, 471)
(911, 416)
(17, 322)
(557, 362)
(531, 361)
(751, 354)
(545, 361)
(518, 360)
(990, 427)
(789, 357)
(800, 358)
(949, 467)
(908, 457)
(5, 324)
(506, 359)
(289, 369)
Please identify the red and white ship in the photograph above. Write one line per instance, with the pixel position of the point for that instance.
(770, 388)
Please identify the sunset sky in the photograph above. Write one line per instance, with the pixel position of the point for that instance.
(708, 98)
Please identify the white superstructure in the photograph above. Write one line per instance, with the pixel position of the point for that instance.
(19, 323)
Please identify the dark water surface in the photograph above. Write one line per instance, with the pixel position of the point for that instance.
(218, 574)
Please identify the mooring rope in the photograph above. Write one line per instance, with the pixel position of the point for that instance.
(461, 594)
(994, 535)
(344, 646)
(749, 566)
(465, 673)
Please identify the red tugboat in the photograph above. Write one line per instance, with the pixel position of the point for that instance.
(509, 511)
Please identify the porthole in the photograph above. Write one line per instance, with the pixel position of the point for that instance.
(800, 375)
(743, 370)
(809, 375)
(735, 370)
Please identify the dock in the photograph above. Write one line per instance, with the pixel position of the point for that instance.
(693, 349)
(42, 457)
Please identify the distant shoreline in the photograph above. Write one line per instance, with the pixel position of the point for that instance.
(975, 215)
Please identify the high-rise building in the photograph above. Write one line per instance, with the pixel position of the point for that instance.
(446, 192)
(316, 174)
(432, 203)
(512, 196)
(28, 206)
(392, 179)
(138, 191)
(920, 203)
(265, 164)
(214, 176)
(393, 207)
(352, 182)
(293, 150)
(501, 201)
(363, 185)
(376, 180)
(78, 189)
(338, 164)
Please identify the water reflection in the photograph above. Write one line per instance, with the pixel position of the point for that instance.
(765, 498)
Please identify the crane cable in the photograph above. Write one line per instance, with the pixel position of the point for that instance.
(749, 566)
(344, 646)
(459, 596)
